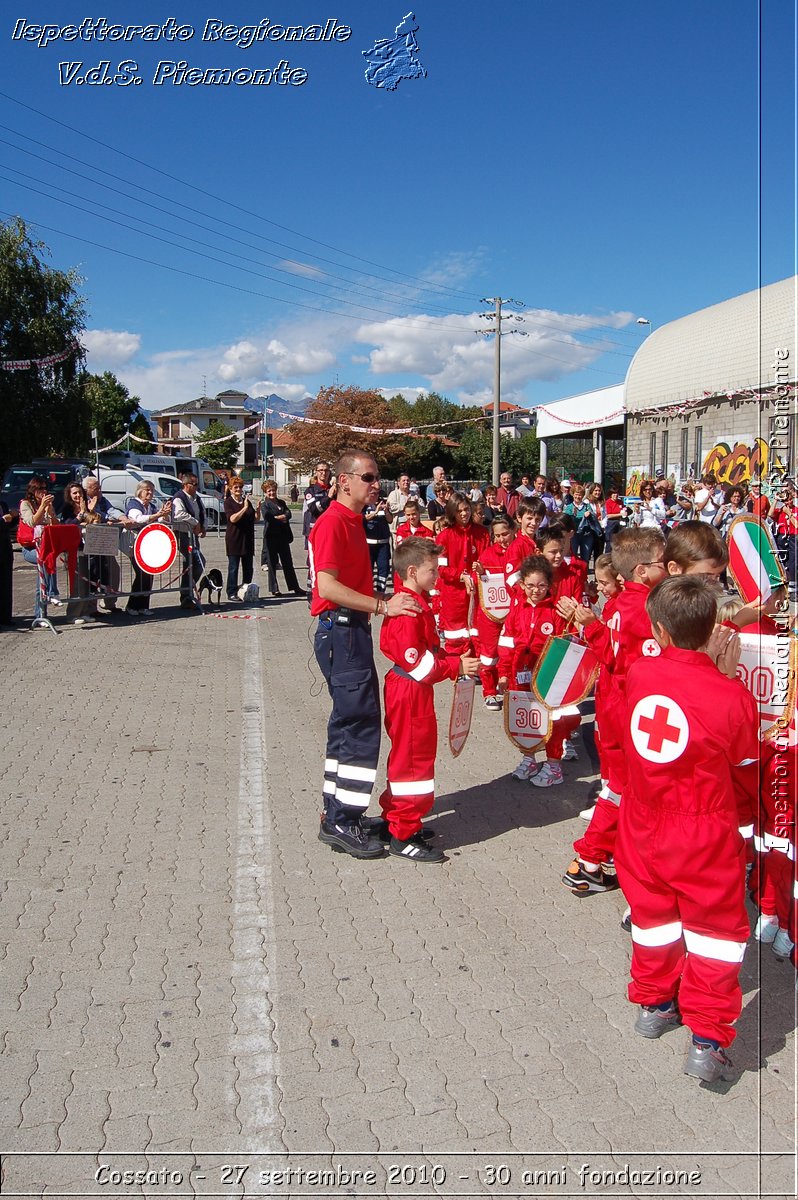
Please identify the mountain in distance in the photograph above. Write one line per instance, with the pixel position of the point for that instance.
(294, 408)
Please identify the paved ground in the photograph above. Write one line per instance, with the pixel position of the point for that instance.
(191, 974)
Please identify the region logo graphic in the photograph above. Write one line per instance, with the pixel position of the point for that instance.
(393, 59)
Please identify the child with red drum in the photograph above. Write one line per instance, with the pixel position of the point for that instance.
(532, 620)
(680, 857)
(461, 543)
(495, 559)
(411, 643)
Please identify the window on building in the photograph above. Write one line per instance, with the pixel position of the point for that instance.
(664, 455)
(652, 455)
(684, 458)
(699, 452)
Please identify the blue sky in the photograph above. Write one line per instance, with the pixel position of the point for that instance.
(597, 161)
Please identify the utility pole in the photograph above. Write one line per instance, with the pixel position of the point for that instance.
(497, 317)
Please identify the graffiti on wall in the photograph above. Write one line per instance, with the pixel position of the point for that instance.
(741, 463)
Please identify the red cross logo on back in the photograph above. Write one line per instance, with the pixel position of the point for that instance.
(659, 729)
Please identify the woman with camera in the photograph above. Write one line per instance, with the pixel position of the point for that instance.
(35, 511)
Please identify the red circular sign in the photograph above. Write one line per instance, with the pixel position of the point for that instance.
(155, 549)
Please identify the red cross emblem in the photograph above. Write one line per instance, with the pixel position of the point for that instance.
(651, 648)
(659, 729)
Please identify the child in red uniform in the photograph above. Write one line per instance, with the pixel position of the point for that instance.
(573, 567)
(411, 643)
(596, 633)
(495, 559)
(680, 857)
(637, 556)
(531, 512)
(566, 580)
(412, 527)
(461, 542)
(775, 886)
(529, 625)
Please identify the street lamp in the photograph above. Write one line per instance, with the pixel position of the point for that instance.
(645, 321)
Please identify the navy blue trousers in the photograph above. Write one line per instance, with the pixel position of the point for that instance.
(346, 660)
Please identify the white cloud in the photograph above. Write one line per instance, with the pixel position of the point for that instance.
(300, 268)
(455, 360)
(246, 359)
(110, 347)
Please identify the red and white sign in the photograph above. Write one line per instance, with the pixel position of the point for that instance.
(527, 722)
(460, 716)
(155, 549)
(659, 729)
(494, 596)
(768, 668)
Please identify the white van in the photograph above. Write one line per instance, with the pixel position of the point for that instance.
(120, 460)
(119, 486)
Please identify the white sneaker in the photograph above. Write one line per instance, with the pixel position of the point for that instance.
(766, 929)
(569, 753)
(494, 702)
(587, 813)
(549, 775)
(55, 601)
(783, 944)
(526, 768)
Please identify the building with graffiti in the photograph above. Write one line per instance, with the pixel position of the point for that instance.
(715, 391)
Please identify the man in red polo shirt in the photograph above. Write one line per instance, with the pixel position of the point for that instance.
(343, 600)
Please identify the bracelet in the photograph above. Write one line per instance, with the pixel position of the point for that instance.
(376, 607)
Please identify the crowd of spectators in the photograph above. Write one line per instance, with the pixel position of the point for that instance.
(596, 516)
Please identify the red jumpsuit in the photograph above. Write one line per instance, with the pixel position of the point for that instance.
(680, 857)
(411, 643)
(527, 629)
(631, 637)
(461, 547)
(403, 532)
(494, 559)
(570, 579)
(597, 636)
(521, 547)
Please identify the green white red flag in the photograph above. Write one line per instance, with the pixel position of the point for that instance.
(754, 563)
(565, 673)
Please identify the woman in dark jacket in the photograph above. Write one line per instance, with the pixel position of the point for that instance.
(277, 538)
(239, 536)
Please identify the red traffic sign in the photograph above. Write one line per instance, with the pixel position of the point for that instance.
(155, 549)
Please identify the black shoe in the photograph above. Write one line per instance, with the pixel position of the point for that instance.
(378, 827)
(350, 839)
(416, 850)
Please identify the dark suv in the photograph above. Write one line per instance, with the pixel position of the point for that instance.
(56, 472)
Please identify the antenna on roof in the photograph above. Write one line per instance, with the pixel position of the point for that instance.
(204, 388)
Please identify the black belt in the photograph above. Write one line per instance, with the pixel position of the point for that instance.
(344, 616)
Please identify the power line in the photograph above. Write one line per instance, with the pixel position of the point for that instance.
(229, 204)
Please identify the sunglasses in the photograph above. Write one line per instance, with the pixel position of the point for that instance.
(366, 476)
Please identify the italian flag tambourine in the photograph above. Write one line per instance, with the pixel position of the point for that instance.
(754, 563)
(565, 673)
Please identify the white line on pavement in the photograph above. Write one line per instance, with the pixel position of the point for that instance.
(254, 942)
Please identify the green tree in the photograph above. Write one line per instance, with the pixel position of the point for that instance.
(222, 456)
(111, 407)
(41, 313)
(441, 424)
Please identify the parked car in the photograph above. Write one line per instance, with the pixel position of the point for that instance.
(57, 473)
